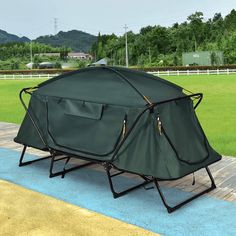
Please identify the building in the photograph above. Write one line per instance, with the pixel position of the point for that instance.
(203, 58)
(48, 54)
(73, 55)
(80, 56)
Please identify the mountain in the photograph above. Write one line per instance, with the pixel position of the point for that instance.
(76, 40)
(8, 38)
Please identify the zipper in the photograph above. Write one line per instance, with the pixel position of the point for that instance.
(159, 125)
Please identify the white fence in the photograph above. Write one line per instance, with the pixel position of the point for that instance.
(158, 73)
(195, 72)
(33, 76)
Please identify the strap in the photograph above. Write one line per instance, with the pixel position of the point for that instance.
(193, 183)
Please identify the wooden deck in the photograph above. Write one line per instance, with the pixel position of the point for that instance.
(224, 171)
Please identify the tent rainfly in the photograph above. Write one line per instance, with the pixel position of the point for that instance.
(123, 119)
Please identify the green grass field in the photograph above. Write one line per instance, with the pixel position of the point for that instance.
(217, 112)
(11, 109)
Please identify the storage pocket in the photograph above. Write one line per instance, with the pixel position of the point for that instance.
(82, 109)
(85, 127)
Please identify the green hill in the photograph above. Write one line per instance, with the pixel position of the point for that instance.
(5, 37)
(74, 39)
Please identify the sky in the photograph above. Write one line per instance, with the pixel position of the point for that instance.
(35, 18)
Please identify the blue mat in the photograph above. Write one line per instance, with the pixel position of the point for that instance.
(89, 189)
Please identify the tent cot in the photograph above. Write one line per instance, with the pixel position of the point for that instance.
(123, 119)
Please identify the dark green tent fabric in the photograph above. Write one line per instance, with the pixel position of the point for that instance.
(88, 113)
(105, 85)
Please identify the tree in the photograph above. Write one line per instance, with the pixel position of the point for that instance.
(230, 21)
(165, 45)
(196, 26)
(64, 53)
(229, 49)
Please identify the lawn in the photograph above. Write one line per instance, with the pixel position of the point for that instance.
(217, 112)
(11, 109)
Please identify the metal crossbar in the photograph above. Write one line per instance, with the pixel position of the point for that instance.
(116, 194)
(171, 209)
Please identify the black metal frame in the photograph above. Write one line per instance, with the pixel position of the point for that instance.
(108, 167)
(171, 209)
(25, 163)
(108, 164)
(52, 162)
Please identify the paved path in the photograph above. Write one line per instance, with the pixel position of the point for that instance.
(88, 190)
(223, 171)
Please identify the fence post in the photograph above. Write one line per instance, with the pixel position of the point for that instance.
(218, 72)
(208, 72)
(228, 71)
(48, 76)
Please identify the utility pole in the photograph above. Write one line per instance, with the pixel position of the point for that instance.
(31, 54)
(55, 25)
(126, 47)
(195, 43)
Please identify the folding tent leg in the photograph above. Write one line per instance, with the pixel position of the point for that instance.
(64, 171)
(119, 194)
(22, 163)
(173, 208)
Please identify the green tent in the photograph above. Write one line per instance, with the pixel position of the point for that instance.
(121, 118)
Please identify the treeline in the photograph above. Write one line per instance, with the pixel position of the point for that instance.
(22, 50)
(163, 46)
(17, 55)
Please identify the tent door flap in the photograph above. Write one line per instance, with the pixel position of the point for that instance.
(182, 130)
(84, 127)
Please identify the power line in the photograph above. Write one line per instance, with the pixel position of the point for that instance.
(31, 53)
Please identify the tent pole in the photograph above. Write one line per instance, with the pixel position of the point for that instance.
(22, 155)
(25, 90)
(22, 163)
(107, 168)
(171, 209)
(64, 171)
(53, 160)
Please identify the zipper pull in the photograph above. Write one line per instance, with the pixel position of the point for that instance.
(159, 125)
(124, 128)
